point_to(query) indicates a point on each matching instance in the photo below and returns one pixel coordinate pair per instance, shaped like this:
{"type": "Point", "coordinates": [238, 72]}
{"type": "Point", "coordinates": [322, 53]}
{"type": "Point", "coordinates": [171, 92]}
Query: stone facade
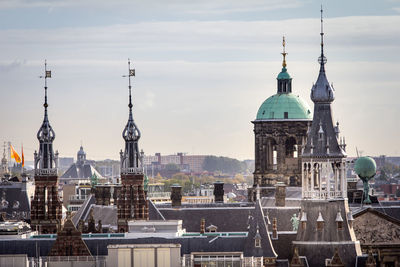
{"type": "Point", "coordinates": [132, 201]}
{"type": "Point", "coordinates": [69, 241]}
{"type": "Point", "coordinates": [46, 207]}
{"type": "Point", "coordinates": [378, 233]}
{"type": "Point", "coordinates": [276, 146]}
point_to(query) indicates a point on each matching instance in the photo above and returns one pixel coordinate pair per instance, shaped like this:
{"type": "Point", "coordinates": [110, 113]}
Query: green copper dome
{"type": "Point", "coordinates": [365, 167]}
{"type": "Point", "coordinates": [284, 106]}
{"type": "Point", "coordinates": [283, 75]}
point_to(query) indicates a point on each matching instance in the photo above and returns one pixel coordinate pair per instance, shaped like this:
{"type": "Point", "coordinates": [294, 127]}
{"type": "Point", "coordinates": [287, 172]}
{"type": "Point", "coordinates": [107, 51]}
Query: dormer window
{"type": "Point", "coordinates": [257, 243]}
{"type": "Point", "coordinates": [285, 115]}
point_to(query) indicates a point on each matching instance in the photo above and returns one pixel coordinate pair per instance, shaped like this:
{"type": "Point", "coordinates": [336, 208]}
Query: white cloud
{"type": "Point", "coordinates": [194, 6]}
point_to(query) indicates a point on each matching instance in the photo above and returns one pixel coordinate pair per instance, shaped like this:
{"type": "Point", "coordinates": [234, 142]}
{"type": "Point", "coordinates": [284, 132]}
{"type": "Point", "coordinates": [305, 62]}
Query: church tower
{"type": "Point", "coordinates": [280, 130]}
{"type": "Point", "coordinates": [132, 200]}
{"type": "Point", "coordinates": [4, 162]}
{"type": "Point", "coordinates": [46, 209]}
{"type": "Point", "coordinates": [324, 209]}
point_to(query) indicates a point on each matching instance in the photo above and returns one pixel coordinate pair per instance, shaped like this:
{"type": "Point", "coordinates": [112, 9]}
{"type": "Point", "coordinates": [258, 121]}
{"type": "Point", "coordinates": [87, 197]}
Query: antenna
{"type": "Point", "coordinates": [358, 155]}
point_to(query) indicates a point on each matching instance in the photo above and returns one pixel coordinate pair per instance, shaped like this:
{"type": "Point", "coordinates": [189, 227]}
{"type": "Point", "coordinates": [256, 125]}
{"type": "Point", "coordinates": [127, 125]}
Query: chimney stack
{"type": "Point", "coordinates": [274, 228]}
{"type": "Point", "coordinates": [218, 192]}
{"type": "Point", "coordinates": [176, 195]}
{"type": "Point", "coordinates": [280, 194]}
{"type": "Point", "coordinates": [202, 226]}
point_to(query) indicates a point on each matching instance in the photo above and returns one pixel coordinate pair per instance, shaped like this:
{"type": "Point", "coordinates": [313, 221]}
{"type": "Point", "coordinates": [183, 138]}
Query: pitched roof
{"type": "Point", "coordinates": [81, 171]}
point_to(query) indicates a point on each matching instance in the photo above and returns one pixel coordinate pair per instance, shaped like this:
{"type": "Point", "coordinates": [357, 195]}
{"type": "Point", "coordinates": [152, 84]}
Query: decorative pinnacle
{"type": "Point", "coordinates": [322, 58]}
{"type": "Point", "coordinates": [284, 52]}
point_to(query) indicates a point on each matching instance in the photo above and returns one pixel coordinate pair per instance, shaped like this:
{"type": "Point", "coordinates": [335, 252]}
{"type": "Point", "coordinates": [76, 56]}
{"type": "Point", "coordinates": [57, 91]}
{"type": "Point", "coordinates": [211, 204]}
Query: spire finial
{"type": "Point", "coordinates": [47, 74]}
{"type": "Point", "coordinates": [322, 58]}
{"type": "Point", "coordinates": [284, 52]}
{"type": "Point", "coordinates": [131, 72]}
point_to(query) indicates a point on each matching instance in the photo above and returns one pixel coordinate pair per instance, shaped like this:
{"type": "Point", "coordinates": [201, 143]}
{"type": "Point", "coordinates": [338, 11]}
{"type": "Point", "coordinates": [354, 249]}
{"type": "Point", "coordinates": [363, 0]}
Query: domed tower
{"type": "Point", "coordinates": [325, 212]}
{"type": "Point", "coordinates": [81, 156]}
{"type": "Point", "coordinates": [280, 130]}
{"type": "Point", "coordinates": [132, 199]}
{"type": "Point", "coordinates": [46, 209]}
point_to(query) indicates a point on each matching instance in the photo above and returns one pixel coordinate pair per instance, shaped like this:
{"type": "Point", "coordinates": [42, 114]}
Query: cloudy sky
{"type": "Point", "coordinates": [202, 70]}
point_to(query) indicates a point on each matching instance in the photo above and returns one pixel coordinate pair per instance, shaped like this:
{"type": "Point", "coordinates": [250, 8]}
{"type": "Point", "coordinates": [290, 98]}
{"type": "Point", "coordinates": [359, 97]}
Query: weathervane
{"type": "Point", "coordinates": [284, 52]}
{"type": "Point", "coordinates": [47, 74]}
{"type": "Point", "coordinates": [131, 72]}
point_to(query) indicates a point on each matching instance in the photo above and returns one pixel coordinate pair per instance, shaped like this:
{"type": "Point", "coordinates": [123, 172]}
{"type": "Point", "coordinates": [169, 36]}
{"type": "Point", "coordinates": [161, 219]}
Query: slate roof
{"type": "Point", "coordinates": [14, 200]}
{"type": "Point", "coordinates": [391, 211]}
{"type": "Point", "coordinates": [80, 171]}
{"type": "Point", "coordinates": [83, 210]}
{"type": "Point", "coordinates": [258, 227]}
{"type": "Point", "coordinates": [227, 219]}
{"type": "Point", "coordinates": [283, 216]}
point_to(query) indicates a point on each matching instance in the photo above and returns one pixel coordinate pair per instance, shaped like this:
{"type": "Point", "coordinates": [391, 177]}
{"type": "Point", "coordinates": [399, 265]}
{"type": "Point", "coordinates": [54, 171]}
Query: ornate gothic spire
{"type": "Point", "coordinates": [130, 158]}
{"type": "Point", "coordinates": [46, 157]}
{"type": "Point", "coordinates": [322, 140]}
{"type": "Point", "coordinates": [321, 91]}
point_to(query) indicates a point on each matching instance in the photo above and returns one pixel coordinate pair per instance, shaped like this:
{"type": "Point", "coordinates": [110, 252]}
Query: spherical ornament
{"type": "Point", "coordinates": [365, 167]}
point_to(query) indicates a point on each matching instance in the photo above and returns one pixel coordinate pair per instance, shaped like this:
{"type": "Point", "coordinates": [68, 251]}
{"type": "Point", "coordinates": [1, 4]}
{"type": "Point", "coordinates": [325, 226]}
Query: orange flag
{"type": "Point", "coordinates": [14, 155]}
{"type": "Point", "coordinates": [22, 154]}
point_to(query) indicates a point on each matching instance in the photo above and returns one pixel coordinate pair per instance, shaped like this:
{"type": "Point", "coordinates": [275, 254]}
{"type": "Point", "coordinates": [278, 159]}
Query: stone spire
{"type": "Point", "coordinates": [46, 159]}
{"type": "Point", "coordinates": [46, 207]}
{"type": "Point", "coordinates": [323, 156]}
{"type": "Point", "coordinates": [130, 158]}
{"type": "Point", "coordinates": [321, 91]}
{"type": "Point", "coordinates": [323, 137]}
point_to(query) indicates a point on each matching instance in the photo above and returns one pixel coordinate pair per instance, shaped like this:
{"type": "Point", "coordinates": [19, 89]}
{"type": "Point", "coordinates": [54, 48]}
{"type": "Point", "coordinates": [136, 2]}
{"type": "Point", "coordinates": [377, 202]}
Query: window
{"type": "Point", "coordinates": [285, 115]}
{"type": "Point", "coordinates": [257, 243]}
{"type": "Point", "coordinates": [340, 225]}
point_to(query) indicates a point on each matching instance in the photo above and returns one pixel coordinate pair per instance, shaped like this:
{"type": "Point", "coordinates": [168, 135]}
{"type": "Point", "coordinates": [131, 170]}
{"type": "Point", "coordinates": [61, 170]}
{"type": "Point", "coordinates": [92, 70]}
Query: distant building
{"type": "Point", "coordinates": [80, 170]}
{"type": "Point", "coordinates": [185, 163]}
{"type": "Point", "coordinates": [65, 162]}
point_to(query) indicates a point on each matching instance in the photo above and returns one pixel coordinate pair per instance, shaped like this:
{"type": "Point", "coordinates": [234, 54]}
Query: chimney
{"type": "Point", "coordinates": [176, 195]}
{"type": "Point", "coordinates": [202, 226]}
{"type": "Point", "coordinates": [274, 229]}
{"type": "Point", "coordinates": [218, 192]}
{"type": "Point", "coordinates": [280, 194]}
